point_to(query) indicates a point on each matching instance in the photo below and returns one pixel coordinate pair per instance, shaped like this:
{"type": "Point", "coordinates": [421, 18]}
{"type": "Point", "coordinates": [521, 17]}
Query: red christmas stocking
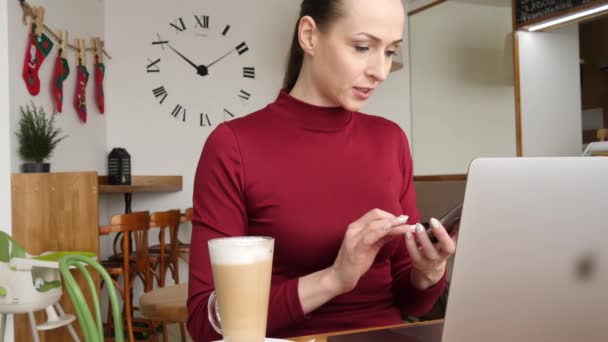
{"type": "Point", "coordinates": [80, 99]}
{"type": "Point", "coordinates": [62, 70]}
{"type": "Point", "coordinates": [100, 70]}
{"type": "Point", "coordinates": [37, 49]}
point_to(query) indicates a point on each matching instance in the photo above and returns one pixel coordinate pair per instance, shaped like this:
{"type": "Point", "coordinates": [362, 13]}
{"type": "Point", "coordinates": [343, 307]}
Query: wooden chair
{"type": "Point", "coordinates": [135, 227]}
{"type": "Point", "coordinates": [164, 255]}
{"type": "Point", "coordinates": [183, 249]}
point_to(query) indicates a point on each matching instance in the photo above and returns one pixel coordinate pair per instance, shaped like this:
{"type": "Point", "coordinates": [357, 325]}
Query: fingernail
{"type": "Point", "coordinates": [408, 235]}
{"type": "Point", "coordinates": [435, 223]}
{"type": "Point", "coordinates": [403, 218]}
{"type": "Point", "coordinates": [419, 228]}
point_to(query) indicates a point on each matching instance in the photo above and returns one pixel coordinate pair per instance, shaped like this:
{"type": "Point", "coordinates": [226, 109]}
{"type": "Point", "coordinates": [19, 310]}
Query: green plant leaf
{"type": "Point", "coordinates": [37, 135]}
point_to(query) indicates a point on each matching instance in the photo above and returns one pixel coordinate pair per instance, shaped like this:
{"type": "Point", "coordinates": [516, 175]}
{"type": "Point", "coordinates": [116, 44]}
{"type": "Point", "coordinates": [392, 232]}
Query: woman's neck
{"type": "Point", "coordinates": [305, 91]}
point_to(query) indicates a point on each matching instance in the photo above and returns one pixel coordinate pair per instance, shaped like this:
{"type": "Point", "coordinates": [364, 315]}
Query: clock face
{"type": "Point", "coordinates": [200, 71]}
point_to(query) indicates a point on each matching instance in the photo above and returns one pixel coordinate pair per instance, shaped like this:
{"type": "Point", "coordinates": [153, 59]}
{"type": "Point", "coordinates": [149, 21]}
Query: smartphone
{"type": "Point", "coordinates": [450, 222]}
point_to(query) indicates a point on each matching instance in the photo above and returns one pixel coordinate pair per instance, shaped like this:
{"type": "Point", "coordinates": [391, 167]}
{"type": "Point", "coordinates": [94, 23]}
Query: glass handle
{"type": "Point", "coordinates": [214, 313]}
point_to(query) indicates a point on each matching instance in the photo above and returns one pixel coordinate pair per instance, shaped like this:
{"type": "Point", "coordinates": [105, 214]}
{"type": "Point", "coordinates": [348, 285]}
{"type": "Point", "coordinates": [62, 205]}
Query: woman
{"type": "Point", "coordinates": [333, 186]}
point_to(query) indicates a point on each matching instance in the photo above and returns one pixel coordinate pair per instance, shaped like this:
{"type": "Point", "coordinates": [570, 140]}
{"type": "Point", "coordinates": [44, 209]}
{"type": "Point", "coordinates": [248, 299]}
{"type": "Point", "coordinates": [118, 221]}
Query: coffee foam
{"type": "Point", "coordinates": [240, 250]}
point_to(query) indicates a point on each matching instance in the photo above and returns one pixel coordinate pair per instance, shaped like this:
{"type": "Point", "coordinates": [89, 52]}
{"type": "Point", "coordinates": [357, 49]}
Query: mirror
{"type": "Point", "coordinates": [462, 84]}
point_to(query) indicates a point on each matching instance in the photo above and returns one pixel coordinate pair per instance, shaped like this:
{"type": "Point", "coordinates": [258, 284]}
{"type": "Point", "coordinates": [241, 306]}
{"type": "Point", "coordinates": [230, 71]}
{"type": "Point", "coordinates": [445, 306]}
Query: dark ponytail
{"type": "Point", "coordinates": [324, 13]}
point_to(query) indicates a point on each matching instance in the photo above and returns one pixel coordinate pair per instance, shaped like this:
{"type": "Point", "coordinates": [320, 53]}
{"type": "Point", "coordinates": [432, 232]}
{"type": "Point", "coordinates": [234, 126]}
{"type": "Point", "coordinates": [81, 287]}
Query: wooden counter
{"type": "Point", "coordinates": [54, 212]}
{"type": "Point", "coordinates": [143, 184]}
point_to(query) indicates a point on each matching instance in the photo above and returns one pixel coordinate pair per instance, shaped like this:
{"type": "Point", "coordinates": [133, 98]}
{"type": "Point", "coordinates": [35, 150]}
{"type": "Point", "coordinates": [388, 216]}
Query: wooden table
{"type": "Point", "coordinates": [429, 331]}
{"type": "Point", "coordinates": [165, 304]}
{"type": "Point", "coordinates": [169, 304]}
{"type": "Point", "coordinates": [141, 184]}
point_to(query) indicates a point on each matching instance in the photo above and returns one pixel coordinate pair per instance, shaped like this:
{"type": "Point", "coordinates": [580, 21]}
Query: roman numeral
{"type": "Point", "coordinates": [226, 111]}
{"type": "Point", "coordinates": [202, 20]}
{"type": "Point", "coordinates": [179, 25]}
{"type": "Point", "coordinates": [160, 92]}
{"type": "Point", "coordinates": [225, 30]}
{"type": "Point", "coordinates": [242, 48]}
{"type": "Point", "coordinates": [153, 66]}
{"type": "Point", "coordinates": [160, 42]}
{"type": "Point", "coordinates": [177, 110]}
{"type": "Point", "coordinates": [244, 95]}
{"type": "Point", "coordinates": [205, 121]}
{"type": "Point", "coordinates": [249, 72]}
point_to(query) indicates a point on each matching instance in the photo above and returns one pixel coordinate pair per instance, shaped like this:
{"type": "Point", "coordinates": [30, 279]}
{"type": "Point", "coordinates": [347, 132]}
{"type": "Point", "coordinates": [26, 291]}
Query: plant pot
{"type": "Point", "coordinates": [36, 167]}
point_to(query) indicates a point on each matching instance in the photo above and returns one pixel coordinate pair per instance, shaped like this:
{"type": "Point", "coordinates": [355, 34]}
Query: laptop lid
{"type": "Point", "coordinates": [532, 256]}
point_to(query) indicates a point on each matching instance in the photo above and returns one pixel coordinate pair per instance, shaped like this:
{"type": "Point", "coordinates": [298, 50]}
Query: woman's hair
{"type": "Point", "coordinates": [324, 13]}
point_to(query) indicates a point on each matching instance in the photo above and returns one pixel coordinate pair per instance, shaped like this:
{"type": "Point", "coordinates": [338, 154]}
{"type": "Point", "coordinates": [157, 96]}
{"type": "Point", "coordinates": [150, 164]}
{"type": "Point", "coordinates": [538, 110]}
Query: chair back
{"type": "Point", "coordinates": [166, 220]}
{"type": "Point", "coordinates": [92, 327]}
{"type": "Point", "coordinates": [135, 227]}
{"type": "Point", "coordinates": [187, 217]}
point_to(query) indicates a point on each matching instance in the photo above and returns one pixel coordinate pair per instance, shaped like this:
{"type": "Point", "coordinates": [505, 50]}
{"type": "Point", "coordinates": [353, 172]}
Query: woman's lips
{"type": "Point", "coordinates": [362, 93]}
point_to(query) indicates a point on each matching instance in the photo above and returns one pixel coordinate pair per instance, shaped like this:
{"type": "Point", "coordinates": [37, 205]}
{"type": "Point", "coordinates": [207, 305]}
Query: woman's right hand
{"type": "Point", "coordinates": [362, 242]}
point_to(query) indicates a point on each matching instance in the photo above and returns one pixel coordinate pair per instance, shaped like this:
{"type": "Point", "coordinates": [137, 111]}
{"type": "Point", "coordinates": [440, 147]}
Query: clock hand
{"type": "Point", "coordinates": [200, 69]}
{"type": "Point", "coordinates": [184, 57]}
{"type": "Point", "coordinates": [219, 59]}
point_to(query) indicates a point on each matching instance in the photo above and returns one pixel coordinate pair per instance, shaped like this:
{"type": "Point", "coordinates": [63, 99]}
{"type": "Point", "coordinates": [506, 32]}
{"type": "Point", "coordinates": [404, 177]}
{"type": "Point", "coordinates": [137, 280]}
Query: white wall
{"type": "Point", "coordinates": [160, 144]}
{"type": "Point", "coordinates": [550, 92]}
{"type": "Point", "coordinates": [5, 160]}
{"type": "Point", "coordinates": [463, 102]}
{"type": "Point", "coordinates": [85, 148]}
{"type": "Point", "coordinates": [5, 154]}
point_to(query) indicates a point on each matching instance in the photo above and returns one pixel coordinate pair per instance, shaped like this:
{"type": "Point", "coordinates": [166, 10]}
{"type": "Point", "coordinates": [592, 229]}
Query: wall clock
{"type": "Point", "coordinates": [200, 71]}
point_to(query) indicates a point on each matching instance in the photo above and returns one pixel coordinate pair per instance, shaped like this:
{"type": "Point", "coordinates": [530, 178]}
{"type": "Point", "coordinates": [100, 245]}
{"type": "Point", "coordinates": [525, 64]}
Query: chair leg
{"type": "Point", "coordinates": [2, 326]}
{"type": "Point", "coordinates": [33, 326]}
{"type": "Point", "coordinates": [165, 335]}
{"type": "Point", "coordinates": [182, 332]}
{"type": "Point", "coordinates": [73, 332]}
{"type": "Point", "coordinates": [69, 326]}
{"type": "Point", "coordinates": [107, 327]}
{"type": "Point", "coordinates": [127, 291]}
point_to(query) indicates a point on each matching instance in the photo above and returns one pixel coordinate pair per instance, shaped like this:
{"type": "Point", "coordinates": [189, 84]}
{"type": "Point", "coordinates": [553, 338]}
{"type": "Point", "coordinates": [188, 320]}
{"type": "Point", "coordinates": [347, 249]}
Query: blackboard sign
{"type": "Point", "coordinates": [528, 10]}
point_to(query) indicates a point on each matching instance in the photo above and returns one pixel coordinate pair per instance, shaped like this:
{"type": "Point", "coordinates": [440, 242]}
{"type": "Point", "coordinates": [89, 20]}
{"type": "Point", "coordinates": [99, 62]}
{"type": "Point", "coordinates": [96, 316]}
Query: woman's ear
{"type": "Point", "coordinates": [307, 34]}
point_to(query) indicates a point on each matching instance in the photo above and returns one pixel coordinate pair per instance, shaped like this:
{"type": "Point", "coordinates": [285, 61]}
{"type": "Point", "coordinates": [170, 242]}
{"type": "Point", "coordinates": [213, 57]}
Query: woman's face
{"type": "Point", "coordinates": [354, 55]}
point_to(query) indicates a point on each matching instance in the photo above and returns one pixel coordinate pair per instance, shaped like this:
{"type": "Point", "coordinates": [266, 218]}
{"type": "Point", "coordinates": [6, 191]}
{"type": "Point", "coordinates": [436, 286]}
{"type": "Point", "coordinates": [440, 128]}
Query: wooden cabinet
{"type": "Point", "coordinates": [54, 212]}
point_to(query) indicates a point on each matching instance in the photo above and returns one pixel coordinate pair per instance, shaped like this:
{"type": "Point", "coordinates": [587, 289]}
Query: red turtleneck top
{"type": "Point", "coordinates": [301, 174]}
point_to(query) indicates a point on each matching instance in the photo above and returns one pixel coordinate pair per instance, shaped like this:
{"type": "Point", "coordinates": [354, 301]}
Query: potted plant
{"type": "Point", "coordinates": [37, 137]}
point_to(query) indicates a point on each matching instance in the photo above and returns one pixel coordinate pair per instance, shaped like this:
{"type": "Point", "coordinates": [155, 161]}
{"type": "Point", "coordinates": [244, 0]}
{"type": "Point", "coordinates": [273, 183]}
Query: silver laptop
{"type": "Point", "coordinates": [532, 256]}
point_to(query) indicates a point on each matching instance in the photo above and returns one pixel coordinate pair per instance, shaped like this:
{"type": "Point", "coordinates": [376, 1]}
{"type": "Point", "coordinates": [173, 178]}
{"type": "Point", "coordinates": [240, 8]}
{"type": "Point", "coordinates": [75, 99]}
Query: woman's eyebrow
{"type": "Point", "coordinates": [374, 38]}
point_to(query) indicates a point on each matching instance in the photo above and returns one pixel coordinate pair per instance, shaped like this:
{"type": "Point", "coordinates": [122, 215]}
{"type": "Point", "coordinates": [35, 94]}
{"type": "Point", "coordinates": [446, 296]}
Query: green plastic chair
{"type": "Point", "coordinates": [92, 328]}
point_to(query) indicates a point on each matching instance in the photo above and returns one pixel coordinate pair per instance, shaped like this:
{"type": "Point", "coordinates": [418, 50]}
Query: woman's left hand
{"type": "Point", "coordinates": [428, 259]}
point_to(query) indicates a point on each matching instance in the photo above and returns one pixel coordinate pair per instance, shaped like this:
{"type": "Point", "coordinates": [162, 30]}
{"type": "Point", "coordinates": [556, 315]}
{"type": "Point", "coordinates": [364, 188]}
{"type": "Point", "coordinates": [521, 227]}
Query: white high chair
{"type": "Point", "coordinates": [28, 285]}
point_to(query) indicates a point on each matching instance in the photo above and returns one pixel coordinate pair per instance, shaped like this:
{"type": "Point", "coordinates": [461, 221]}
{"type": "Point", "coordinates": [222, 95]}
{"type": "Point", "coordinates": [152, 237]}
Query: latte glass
{"type": "Point", "coordinates": [242, 267]}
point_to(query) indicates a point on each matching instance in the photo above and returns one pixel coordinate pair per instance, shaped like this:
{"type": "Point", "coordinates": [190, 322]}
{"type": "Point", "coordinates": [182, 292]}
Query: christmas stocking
{"type": "Point", "coordinates": [81, 96]}
{"type": "Point", "coordinates": [37, 49]}
{"type": "Point", "coordinates": [100, 69]}
{"type": "Point", "coordinates": [62, 70]}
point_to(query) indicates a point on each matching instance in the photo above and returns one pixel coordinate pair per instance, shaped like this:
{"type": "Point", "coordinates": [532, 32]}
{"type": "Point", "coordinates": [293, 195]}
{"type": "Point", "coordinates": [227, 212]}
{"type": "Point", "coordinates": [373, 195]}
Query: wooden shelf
{"type": "Point", "coordinates": [142, 184]}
